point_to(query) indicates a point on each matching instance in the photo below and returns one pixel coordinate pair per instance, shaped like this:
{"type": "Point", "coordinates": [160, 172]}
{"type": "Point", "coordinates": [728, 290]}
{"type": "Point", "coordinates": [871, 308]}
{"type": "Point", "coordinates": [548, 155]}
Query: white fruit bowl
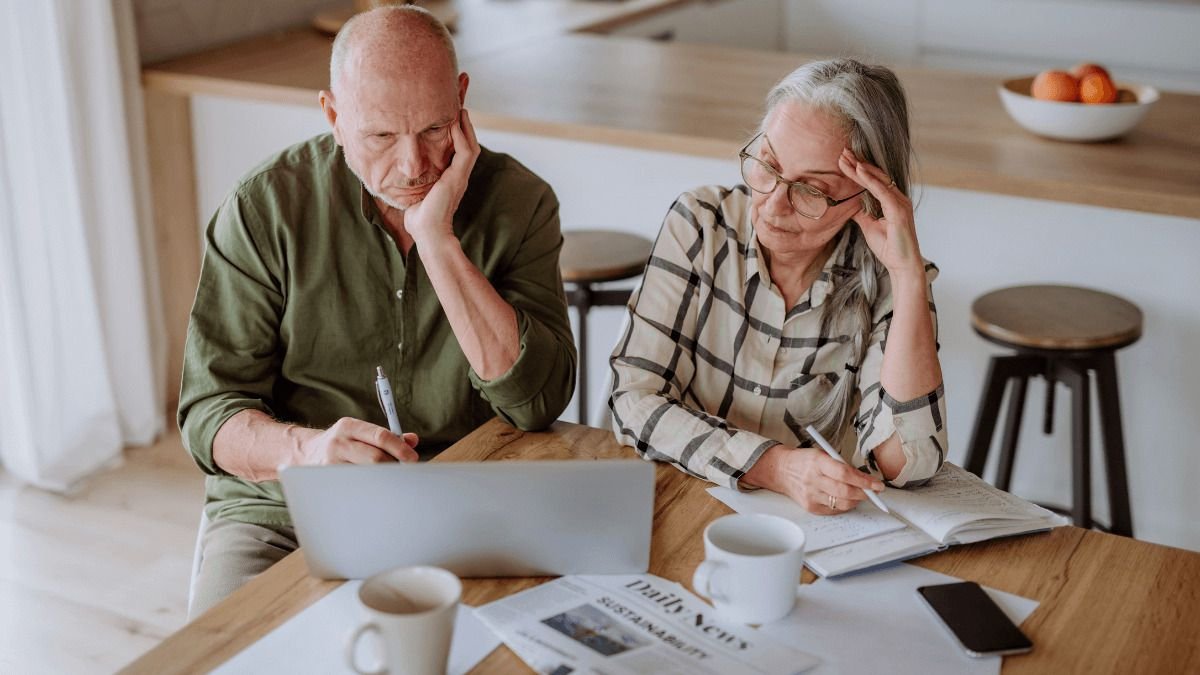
{"type": "Point", "coordinates": [1075, 121]}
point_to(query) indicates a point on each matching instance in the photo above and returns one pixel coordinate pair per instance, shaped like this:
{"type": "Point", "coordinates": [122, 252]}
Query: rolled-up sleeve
{"type": "Point", "coordinates": [654, 363]}
{"type": "Point", "coordinates": [231, 358]}
{"type": "Point", "coordinates": [538, 386]}
{"type": "Point", "coordinates": [920, 423]}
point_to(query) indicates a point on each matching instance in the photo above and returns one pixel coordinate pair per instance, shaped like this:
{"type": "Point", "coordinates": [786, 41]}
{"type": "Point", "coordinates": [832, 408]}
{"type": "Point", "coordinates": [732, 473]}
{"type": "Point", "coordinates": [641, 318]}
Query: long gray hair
{"type": "Point", "coordinates": [870, 104]}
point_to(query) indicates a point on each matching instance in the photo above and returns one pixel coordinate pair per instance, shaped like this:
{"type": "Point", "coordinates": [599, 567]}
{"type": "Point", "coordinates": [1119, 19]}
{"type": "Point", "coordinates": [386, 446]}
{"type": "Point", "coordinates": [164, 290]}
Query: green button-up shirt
{"type": "Point", "coordinates": [303, 293]}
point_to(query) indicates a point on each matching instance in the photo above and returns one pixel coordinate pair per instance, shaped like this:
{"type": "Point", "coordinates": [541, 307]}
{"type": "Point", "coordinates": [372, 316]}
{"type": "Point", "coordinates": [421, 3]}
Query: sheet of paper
{"type": "Point", "coordinates": [820, 532]}
{"type": "Point", "coordinates": [876, 623]}
{"type": "Point", "coordinates": [314, 641]}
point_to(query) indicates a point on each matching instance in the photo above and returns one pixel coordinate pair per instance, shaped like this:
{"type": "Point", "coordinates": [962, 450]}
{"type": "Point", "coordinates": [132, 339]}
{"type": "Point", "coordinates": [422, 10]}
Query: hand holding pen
{"type": "Point", "coordinates": [353, 441]}
{"type": "Point", "coordinates": [383, 392]}
{"type": "Point", "coordinates": [816, 436]}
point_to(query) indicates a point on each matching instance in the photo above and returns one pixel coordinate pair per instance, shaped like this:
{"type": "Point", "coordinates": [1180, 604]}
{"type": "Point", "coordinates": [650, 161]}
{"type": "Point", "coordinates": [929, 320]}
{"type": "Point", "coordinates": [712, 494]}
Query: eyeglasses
{"type": "Point", "coordinates": [805, 199]}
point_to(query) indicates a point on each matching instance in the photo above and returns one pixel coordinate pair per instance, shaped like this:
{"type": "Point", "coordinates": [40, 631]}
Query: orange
{"type": "Point", "coordinates": [1055, 85]}
{"type": "Point", "coordinates": [1083, 69]}
{"type": "Point", "coordinates": [1097, 88]}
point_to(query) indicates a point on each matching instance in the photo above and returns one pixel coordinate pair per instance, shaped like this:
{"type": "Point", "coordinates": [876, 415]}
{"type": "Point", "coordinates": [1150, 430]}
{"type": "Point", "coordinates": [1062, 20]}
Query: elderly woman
{"type": "Point", "coordinates": [798, 298]}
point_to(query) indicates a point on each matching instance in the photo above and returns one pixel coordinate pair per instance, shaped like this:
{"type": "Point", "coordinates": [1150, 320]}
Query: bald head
{"type": "Point", "coordinates": [391, 41]}
{"type": "Point", "coordinates": [395, 94]}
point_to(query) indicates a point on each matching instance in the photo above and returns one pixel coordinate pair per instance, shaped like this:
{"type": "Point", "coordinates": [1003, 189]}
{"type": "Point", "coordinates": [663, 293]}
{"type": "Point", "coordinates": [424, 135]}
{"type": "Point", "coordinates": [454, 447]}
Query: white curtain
{"type": "Point", "coordinates": [80, 333]}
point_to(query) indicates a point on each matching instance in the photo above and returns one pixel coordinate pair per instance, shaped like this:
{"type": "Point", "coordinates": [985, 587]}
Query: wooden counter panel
{"type": "Point", "coordinates": [705, 100]}
{"type": "Point", "coordinates": [577, 84]}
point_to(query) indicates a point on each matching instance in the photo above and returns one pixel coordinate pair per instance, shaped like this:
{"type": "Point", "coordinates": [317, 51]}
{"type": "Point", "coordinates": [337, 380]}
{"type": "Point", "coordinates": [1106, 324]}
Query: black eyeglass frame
{"type": "Point", "coordinates": [830, 202]}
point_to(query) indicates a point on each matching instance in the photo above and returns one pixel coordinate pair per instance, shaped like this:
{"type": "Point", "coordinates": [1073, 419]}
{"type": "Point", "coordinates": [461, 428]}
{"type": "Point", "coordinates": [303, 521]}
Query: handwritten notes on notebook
{"type": "Point", "coordinates": [821, 532]}
{"type": "Point", "coordinates": [954, 507]}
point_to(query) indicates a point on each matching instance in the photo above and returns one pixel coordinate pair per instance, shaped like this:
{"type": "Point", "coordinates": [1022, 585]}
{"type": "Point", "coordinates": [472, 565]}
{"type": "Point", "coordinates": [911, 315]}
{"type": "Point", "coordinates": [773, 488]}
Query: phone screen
{"type": "Point", "coordinates": [979, 624]}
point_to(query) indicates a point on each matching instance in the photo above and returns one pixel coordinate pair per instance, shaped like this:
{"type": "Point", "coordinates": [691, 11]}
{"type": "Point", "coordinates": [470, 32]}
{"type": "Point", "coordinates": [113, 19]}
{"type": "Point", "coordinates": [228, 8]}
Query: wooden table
{"type": "Point", "coordinates": [1108, 604]}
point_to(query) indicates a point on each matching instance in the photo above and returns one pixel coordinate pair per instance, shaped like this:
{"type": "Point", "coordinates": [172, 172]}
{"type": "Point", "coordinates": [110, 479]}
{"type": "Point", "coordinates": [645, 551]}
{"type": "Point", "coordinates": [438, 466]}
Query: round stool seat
{"type": "Point", "coordinates": [1065, 318]}
{"type": "Point", "coordinates": [595, 256]}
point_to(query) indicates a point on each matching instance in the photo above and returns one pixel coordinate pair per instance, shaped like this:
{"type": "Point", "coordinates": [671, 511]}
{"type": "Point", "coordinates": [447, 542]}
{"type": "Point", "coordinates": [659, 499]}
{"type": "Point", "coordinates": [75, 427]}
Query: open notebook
{"type": "Point", "coordinates": [955, 507]}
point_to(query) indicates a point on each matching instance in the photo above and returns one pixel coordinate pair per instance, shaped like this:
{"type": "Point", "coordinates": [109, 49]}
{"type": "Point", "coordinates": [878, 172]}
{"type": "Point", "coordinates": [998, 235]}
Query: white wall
{"type": "Point", "coordinates": [980, 241]}
{"type": "Point", "coordinates": [1147, 41]}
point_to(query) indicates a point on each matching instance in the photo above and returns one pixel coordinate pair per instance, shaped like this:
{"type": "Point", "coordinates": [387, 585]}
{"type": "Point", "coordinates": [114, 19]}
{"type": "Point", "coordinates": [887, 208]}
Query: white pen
{"type": "Point", "coordinates": [816, 436]}
{"type": "Point", "coordinates": [383, 390]}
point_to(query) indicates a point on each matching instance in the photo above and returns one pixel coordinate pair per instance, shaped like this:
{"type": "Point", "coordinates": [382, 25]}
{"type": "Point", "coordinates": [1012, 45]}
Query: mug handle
{"type": "Point", "coordinates": [702, 580]}
{"type": "Point", "coordinates": [352, 648]}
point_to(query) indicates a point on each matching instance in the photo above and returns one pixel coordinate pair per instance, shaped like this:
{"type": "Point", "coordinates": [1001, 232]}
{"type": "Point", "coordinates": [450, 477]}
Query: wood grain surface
{"type": "Point", "coordinates": [706, 100]}
{"type": "Point", "coordinates": [1108, 603]}
{"type": "Point", "coordinates": [1056, 317]}
{"type": "Point", "coordinates": [602, 255]}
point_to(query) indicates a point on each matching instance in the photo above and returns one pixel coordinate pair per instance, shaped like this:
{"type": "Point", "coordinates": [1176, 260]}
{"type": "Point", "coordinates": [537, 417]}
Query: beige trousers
{"type": "Point", "coordinates": [232, 553]}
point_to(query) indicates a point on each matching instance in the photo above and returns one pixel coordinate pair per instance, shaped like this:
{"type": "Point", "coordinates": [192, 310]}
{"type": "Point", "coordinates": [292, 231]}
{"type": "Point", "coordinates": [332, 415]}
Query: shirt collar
{"type": "Point", "coordinates": [839, 265]}
{"type": "Point", "coordinates": [367, 207]}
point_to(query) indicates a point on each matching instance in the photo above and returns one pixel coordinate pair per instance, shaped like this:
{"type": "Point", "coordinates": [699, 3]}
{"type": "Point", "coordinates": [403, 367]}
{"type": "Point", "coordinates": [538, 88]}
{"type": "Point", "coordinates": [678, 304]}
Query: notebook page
{"type": "Point", "coordinates": [899, 545]}
{"type": "Point", "coordinates": [955, 499]}
{"type": "Point", "coordinates": [820, 532]}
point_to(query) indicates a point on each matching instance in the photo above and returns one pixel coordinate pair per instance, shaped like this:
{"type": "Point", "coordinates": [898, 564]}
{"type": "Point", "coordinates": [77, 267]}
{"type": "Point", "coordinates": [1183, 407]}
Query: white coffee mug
{"type": "Point", "coordinates": [752, 566]}
{"type": "Point", "coordinates": [411, 611]}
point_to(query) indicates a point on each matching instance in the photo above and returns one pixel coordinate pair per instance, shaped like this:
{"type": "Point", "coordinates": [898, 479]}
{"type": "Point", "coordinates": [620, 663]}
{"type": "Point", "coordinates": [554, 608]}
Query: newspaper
{"type": "Point", "coordinates": [637, 623]}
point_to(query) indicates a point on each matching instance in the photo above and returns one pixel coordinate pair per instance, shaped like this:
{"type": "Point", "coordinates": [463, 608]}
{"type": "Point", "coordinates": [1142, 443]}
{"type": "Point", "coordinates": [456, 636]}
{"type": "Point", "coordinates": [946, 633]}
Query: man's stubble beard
{"type": "Point", "coordinates": [388, 201]}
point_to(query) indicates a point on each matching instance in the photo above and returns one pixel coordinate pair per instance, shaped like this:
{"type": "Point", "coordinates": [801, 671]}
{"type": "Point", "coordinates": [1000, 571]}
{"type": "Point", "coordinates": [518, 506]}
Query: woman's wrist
{"type": "Point", "coordinates": [762, 473]}
{"type": "Point", "coordinates": [912, 274]}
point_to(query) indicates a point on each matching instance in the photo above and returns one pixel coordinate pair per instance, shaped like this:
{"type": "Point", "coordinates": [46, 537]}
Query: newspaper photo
{"type": "Point", "coordinates": [636, 623]}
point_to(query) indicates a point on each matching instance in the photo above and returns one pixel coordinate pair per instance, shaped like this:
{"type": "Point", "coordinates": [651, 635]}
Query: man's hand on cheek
{"type": "Point", "coordinates": [432, 218]}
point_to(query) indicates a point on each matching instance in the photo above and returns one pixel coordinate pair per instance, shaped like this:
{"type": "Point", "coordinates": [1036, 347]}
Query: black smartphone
{"type": "Point", "coordinates": [978, 623]}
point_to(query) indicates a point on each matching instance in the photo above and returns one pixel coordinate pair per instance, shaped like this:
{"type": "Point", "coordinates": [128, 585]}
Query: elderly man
{"type": "Point", "coordinates": [395, 241]}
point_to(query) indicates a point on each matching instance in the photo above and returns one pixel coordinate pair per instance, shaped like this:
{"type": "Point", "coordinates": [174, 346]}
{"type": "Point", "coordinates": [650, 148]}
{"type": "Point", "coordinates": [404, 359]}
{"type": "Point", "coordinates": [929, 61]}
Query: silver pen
{"type": "Point", "coordinates": [816, 436]}
{"type": "Point", "coordinates": [383, 391]}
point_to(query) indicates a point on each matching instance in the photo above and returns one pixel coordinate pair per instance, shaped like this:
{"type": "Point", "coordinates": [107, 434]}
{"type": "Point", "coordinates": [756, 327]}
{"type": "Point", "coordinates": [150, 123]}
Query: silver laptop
{"type": "Point", "coordinates": [476, 519]}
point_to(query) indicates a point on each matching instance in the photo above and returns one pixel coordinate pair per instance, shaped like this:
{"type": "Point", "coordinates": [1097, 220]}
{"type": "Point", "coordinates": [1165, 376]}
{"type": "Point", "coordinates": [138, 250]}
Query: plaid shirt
{"type": "Point", "coordinates": [713, 368]}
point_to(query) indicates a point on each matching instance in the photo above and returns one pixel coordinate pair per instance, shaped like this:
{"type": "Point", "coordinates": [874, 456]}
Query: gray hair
{"type": "Point", "coordinates": [870, 104]}
{"type": "Point", "coordinates": [346, 37]}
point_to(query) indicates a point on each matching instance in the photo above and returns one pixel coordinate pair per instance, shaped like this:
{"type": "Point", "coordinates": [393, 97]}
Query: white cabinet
{"type": "Point", "coordinates": [752, 24]}
{"type": "Point", "coordinates": [1140, 40]}
{"type": "Point", "coordinates": [878, 31]}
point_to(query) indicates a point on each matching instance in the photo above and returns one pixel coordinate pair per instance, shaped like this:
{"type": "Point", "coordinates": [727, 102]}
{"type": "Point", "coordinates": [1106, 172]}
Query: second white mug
{"type": "Point", "coordinates": [752, 566]}
{"type": "Point", "coordinates": [411, 610]}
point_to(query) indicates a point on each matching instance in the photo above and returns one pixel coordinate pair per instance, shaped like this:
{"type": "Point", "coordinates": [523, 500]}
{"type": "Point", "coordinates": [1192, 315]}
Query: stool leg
{"type": "Point", "coordinates": [985, 416]}
{"type": "Point", "coordinates": [1081, 441]}
{"type": "Point", "coordinates": [1114, 444]}
{"type": "Point", "coordinates": [1048, 419]}
{"type": "Point", "coordinates": [1012, 429]}
{"type": "Point", "coordinates": [583, 305]}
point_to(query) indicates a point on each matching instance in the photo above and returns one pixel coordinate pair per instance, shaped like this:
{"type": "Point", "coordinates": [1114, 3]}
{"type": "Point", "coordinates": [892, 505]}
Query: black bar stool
{"type": "Point", "coordinates": [593, 257]}
{"type": "Point", "coordinates": [1061, 333]}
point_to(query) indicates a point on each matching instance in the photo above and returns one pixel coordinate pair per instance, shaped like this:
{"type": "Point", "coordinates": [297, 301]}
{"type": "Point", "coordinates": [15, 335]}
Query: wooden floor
{"type": "Point", "coordinates": [91, 581]}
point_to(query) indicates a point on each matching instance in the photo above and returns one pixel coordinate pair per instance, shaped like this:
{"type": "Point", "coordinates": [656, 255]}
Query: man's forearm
{"type": "Point", "coordinates": [484, 324]}
{"type": "Point", "coordinates": [252, 445]}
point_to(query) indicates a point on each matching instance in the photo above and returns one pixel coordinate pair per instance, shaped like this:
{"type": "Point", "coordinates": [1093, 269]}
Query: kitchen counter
{"type": "Point", "coordinates": [705, 100]}
{"type": "Point", "coordinates": [533, 72]}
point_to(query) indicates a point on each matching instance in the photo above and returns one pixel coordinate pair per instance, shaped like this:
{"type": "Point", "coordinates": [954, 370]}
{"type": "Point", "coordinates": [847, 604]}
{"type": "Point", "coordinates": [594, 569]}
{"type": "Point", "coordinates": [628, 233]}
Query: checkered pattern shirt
{"type": "Point", "coordinates": [712, 368]}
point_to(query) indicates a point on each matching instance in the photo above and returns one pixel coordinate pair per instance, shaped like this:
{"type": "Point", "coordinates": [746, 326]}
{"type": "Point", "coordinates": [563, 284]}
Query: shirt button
{"type": "Point", "coordinates": [400, 293]}
{"type": "Point", "coordinates": [758, 391]}
{"type": "Point", "coordinates": [400, 346]}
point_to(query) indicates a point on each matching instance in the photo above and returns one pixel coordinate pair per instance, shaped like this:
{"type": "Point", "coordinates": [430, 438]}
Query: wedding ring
{"type": "Point", "coordinates": [833, 502]}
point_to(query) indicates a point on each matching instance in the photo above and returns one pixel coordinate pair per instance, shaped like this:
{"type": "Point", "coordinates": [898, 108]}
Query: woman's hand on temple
{"type": "Point", "coordinates": [892, 237]}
